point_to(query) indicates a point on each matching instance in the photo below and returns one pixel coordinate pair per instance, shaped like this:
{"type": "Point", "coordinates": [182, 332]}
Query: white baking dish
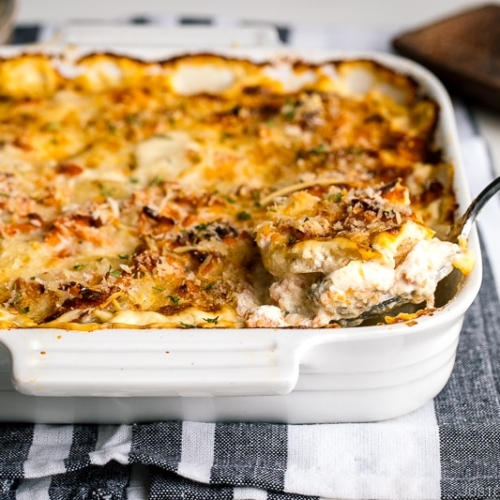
{"type": "Point", "coordinates": [332, 375]}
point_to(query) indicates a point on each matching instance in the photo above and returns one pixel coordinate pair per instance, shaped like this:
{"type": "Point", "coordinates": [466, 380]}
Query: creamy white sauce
{"type": "Point", "coordinates": [266, 316]}
{"type": "Point", "coordinates": [427, 263]}
{"type": "Point", "coordinates": [164, 156]}
{"type": "Point", "coordinates": [353, 289]}
{"type": "Point", "coordinates": [195, 79]}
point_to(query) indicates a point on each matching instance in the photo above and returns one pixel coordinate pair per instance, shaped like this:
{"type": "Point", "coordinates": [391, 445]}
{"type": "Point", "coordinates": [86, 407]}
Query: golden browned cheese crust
{"type": "Point", "coordinates": [130, 190]}
{"type": "Point", "coordinates": [345, 223]}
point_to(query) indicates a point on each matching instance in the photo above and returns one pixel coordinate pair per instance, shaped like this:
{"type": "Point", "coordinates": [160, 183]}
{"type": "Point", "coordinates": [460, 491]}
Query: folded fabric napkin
{"type": "Point", "coordinates": [447, 449]}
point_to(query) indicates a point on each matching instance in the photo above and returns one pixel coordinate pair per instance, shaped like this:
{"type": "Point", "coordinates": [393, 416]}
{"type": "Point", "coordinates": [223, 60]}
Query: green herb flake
{"type": "Point", "coordinates": [243, 216]}
{"type": "Point", "coordinates": [174, 299]}
{"type": "Point", "coordinates": [111, 127]}
{"type": "Point", "coordinates": [132, 164]}
{"type": "Point", "coordinates": [292, 240]}
{"type": "Point", "coordinates": [104, 190]}
{"type": "Point", "coordinates": [5, 195]}
{"type": "Point", "coordinates": [212, 320]}
{"type": "Point", "coordinates": [336, 197]}
{"type": "Point", "coordinates": [318, 149]}
{"type": "Point", "coordinates": [158, 288]}
{"type": "Point", "coordinates": [25, 310]}
{"type": "Point", "coordinates": [116, 273]}
{"type": "Point", "coordinates": [201, 227]}
{"type": "Point", "coordinates": [123, 257]}
{"type": "Point", "coordinates": [134, 180]}
{"type": "Point", "coordinates": [51, 126]}
{"type": "Point", "coordinates": [155, 181]}
{"type": "Point", "coordinates": [186, 325]}
{"type": "Point", "coordinates": [132, 120]}
{"type": "Point", "coordinates": [79, 267]}
{"type": "Point", "coordinates": [209, 286]}
{"type": "Point", "coordinates": [355, 150]}
{"type": "Point", "coordinates": [256, 197]}
{"type": "Point", "coordinates": [289, 114]}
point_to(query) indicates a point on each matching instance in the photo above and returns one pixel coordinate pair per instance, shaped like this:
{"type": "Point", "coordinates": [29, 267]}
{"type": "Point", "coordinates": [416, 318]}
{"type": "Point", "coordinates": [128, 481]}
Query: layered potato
{"type": "Point", "coordinates": [207, 191]}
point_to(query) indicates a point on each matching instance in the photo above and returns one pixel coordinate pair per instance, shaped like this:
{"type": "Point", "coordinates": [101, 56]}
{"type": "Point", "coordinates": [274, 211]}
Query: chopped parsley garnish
{"type": "Point", "coordinates": [155, 181]}
{"type": "Point", "coordinates": [123, 257]}
{"type": "Point", "coordinates": [209, 286]}
{"type": "Point", "coordinates": [79, 267]}
{"type": "Point", "coordinates": [132, 164]}
{"type": "Point", "coordinates": [256, 197]}
{"type": "Point", "coordinates": [25, 310]}
{"type": "Point", "coordinates": [212, 320]}
{"type": "Point", "coordinates": [111, 127]}
{"type": "Point", "coordinates": [355, 150]}
{"type": "Point", "coordinates": [186, 325]}
{"type": "Point", "coordinates": [158, 288]}
{"type": "Point", "coordinates": [335, 197]}
{"type": "Point", "coordinates": [104, 190]}
{"type": "Point", "coordinates": [174, 299]}
{"type": "Point", "coordinates": [243, 215]}
{"type": "Point", "coordinates": [116, 273]}
{"type": "Point", "coordinates": [52, 126]}
{"type": "Point", "coordinates": [289, 110]}
{"type": "Point", "coordinates": [318, 149]}
{"type": "Point", "coordinates": [132, 120]}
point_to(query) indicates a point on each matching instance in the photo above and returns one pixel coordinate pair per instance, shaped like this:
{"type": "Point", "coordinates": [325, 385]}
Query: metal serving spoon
{"type": "Point", "coordinates": [460, 229]}
{"type": "Point", "coordinates": [463, 226]}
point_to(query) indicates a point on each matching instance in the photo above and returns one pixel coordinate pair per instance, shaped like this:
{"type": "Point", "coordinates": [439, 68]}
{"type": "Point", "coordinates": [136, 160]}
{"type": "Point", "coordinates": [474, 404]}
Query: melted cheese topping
{"type": "Point", "coordinates": [130, 191]}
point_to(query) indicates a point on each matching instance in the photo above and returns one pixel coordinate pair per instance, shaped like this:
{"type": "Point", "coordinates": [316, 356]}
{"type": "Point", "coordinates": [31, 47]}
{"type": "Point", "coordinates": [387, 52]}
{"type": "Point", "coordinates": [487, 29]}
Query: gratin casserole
{"type": "Point", "coordinates": [204, 191]}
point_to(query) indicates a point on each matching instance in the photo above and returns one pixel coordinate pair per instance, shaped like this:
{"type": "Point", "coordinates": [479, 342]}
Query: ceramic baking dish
{"type": "Point", "coordinates": [300, 376]}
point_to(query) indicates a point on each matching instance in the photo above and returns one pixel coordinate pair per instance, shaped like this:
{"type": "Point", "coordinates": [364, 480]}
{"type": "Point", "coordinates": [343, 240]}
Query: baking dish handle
{"type": "Point", "coordinates": [115, 363]}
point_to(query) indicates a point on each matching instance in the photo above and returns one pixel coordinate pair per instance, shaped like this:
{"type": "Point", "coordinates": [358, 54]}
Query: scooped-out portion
{"type": "Point", "coordinates": [339, 255]}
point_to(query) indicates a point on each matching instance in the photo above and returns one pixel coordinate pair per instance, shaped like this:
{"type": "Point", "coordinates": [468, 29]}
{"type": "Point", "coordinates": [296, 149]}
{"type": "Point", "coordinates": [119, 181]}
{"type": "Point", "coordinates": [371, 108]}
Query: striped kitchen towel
{"type": "Point", "coordinates": [447, 449]}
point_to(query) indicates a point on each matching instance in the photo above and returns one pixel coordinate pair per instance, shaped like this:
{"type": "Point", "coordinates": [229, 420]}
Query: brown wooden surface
{"type": "Point", "coordinates": [462, 50]}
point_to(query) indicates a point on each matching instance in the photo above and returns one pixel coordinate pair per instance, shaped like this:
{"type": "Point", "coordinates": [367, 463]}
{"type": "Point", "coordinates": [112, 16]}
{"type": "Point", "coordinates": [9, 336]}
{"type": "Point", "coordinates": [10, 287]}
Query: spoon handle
{"type": "Point", "coordinates": [465, 223]}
